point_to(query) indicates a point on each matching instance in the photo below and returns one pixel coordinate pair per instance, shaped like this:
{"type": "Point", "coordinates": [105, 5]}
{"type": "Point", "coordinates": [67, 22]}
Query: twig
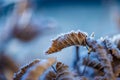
{"type": "Point", "coordinates": [54, 69]}
{"type": "Point", "coordinates": [77, 59]}
{"type": "Point", "coordinates": [86, 64]}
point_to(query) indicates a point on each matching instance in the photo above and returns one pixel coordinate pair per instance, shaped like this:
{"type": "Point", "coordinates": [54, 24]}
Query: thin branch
{"type": "Point", "coordinates": [54, 69]}
{"type": "Point", "coordinates": [86, 64]}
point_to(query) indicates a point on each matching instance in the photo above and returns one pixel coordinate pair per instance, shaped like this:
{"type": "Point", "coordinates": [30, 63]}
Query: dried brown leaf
{"type": "Point", "coordinates": [93, 64]}
{"type": "Point", "coordinates": [63, 72]}
{"type": "Point", "coordinates": [101, 52]}
{"type": "Point", "coordinates": [38, 69]}
{"type": "Point", "coordinates": [66, 40]}
{"type": "Point", "coordinates": [50, 75]}
{"type": "Point", "coordinates": [22, 71]}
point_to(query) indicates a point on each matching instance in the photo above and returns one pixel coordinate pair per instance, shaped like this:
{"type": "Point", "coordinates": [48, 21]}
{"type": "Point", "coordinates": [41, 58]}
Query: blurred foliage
{"type": "Point", "coordinates": [7, 9]}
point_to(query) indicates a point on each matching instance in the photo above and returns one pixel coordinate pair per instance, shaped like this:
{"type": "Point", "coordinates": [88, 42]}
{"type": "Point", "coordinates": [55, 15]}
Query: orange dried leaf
{"type": "Point", "coordinates": [66, 40]}
{"type": "Point", "coordinates": [22, 71]}
{"type": "Point", "coordinates": [37, 70]}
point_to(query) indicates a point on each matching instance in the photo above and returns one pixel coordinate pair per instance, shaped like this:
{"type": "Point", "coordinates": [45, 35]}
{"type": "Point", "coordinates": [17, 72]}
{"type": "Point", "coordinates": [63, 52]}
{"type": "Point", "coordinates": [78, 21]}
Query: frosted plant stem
{"type": "Point", "coordinates": [54, 69]}
{"type": "Point", "coordinates": [77, 59]}
{"type": "Point", "coordinates": [86, 64]}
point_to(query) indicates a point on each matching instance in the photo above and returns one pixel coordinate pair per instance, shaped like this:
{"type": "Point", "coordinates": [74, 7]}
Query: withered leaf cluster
{"type": "Point", "coordinates": [107, 52]}
{"type": "Point", "coordinates": [107, 65]}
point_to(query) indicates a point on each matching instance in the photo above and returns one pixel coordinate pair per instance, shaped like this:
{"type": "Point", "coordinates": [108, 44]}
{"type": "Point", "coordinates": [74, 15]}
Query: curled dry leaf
{"type": "Point", "coordinates": [50, 75]}
{"type": "Point", "coordinates": [112, 48]}
{"type": "Point", "coordinates": [63, 72]}
{"type": "Point", "coordinates": [98, 47]}
{"type": "Point", "coordinates": [38, 69]}
{"type": "Point", "coordinates": [93, 64]}
{"type": "Point", "coordinates": [115, 52]}
{"type": "Point", "coordinates": [23, 70]}
{"type": "Point", "coordinates": [66, 40]}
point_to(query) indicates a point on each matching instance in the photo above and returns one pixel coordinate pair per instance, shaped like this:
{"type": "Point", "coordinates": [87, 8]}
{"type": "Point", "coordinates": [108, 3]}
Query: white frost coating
{"type": "Point", "coordinates": [110, 44]}
{"type": "Point", "coordinates": [82, 32]}
{"type": "Point", "coordinates": [29, 63]}
{"type": "Point", "coordinates": [116, 40]}
{"type": "Point", "coordinates": [62, 34]}
{"type": "Point", "coordinates": [116, 37]}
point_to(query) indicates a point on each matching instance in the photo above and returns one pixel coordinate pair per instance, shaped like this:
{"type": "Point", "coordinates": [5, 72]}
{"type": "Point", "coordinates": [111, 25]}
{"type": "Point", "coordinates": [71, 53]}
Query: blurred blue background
{"type": "Point", "coordinates": [47, 19]}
